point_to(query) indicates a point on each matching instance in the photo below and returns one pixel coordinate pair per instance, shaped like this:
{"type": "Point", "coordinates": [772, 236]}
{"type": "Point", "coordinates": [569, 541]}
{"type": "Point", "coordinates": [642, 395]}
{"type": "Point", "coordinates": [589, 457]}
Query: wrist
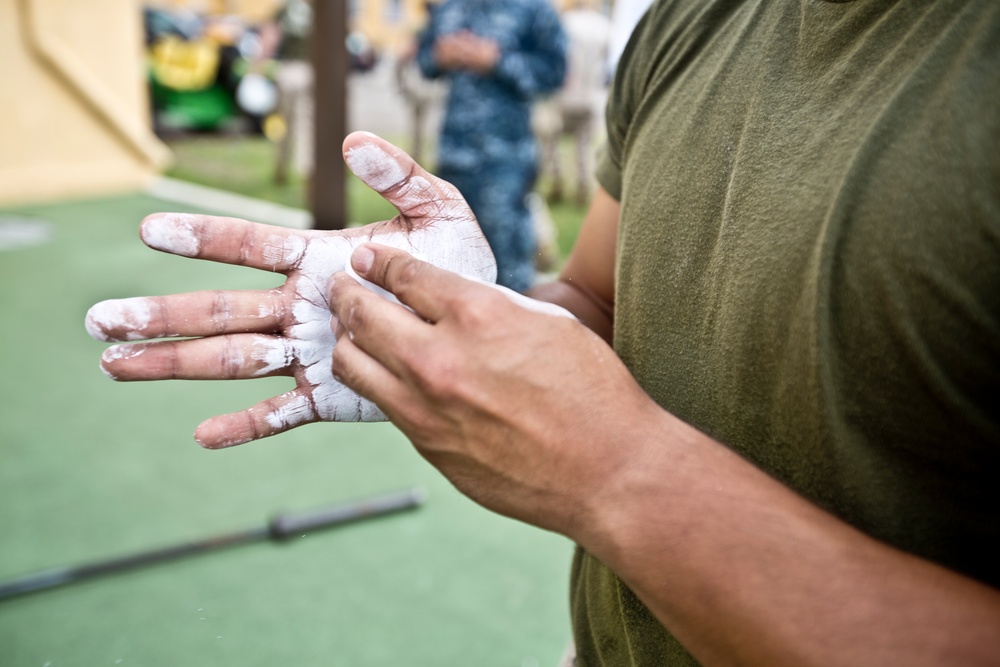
{"type": "Point", "coordinates": [631, 486]}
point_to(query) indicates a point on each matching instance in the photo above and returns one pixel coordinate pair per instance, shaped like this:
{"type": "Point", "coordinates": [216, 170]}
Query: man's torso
{"type": "Point", "coordinates": [808, 264]}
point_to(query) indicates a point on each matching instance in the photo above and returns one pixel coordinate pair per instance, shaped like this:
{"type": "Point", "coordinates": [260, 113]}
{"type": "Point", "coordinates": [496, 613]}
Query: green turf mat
{"type": "Point", "coordinates": [91, 469]}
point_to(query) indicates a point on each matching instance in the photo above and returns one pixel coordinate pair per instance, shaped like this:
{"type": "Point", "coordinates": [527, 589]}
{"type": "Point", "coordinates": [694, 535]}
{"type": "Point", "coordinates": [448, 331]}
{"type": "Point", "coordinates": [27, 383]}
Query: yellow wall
{"type": "Point", "coordinates": [74, 117]}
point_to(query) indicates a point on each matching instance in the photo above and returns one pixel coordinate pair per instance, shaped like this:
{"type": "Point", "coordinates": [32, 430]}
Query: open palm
{"type": "Point", "coordinates": [287, 330]}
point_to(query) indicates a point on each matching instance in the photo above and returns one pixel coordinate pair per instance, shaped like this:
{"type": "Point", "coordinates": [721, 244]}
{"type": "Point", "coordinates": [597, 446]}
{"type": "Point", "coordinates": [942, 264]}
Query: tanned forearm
{"type": "Point", "coordinates": [586, 284]}
{"type": "Point", "coordinates": [588, 308]}
{"type": "Point", "coordinates": [737, 566]}
{"type": "Point", "coordinates": [744, 571]}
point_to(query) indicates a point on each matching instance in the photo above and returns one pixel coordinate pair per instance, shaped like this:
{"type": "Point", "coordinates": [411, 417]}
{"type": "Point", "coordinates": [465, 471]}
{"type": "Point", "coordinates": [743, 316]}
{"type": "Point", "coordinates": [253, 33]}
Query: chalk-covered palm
{"type": "Point", "coordinates": [287, 330]}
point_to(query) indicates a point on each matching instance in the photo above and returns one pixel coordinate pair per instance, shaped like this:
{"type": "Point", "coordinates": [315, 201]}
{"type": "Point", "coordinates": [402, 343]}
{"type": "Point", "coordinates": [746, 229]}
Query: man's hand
{"type": "Point", "coordinates": [526, 413]}
{"type": "Point", "coordinates": [535, 417]}
{"type": "Point", "coordinates": [468, 51]}
{"type": "Point", "coordinates": [284, 331]}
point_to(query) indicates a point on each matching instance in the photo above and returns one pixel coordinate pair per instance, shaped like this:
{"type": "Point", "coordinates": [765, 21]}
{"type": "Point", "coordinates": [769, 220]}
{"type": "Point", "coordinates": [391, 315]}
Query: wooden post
{"type": "Point", "coordinates": [327, 189]}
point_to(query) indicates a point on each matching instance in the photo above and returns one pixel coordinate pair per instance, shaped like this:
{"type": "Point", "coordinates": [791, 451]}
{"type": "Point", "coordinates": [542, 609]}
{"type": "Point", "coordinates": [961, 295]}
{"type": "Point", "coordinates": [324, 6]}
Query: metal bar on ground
{"type": "Point", "coordinates": [280, 528]}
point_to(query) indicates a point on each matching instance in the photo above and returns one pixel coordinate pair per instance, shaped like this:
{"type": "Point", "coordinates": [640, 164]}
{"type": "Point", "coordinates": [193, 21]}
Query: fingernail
{"type": "Point", "coordinates": [362, 259]}
{"type": "Point", "coordinates": [372, 164]}
{"type": "Point", "coordinates": [173, 233]}
{"type": "Point", "coordinates": [118, 319]}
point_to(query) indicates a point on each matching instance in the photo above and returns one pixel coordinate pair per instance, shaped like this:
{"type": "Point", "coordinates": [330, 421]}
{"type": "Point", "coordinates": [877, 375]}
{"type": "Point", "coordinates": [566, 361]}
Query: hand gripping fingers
{"type": "Point", "coordinates": [383, 330]}
{"type": "Point", "coordinates": [430, 291]}
{"type": "Point", "coordinates": [360, 372]}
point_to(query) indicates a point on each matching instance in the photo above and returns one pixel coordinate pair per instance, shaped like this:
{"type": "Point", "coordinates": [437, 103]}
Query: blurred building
{"type": "Point", "coordinates": [74, 117]}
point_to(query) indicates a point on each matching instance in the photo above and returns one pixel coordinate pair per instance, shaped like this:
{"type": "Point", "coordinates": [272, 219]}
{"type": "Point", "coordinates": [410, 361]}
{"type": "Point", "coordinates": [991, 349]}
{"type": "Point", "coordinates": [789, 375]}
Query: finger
{"type": "Point", "coordinates": [267, 418]}
{"type": "Point", "coordinates": [303, 405]}
{"type": "Point", "coordinates": [435, 221]}
{"type": "Point", "coordinates": [192, 314]}
{"type": "Point", "coordinates": [233, 357]}
{"type": "Point", "coordinates": [430, 291]}
{"type": "Point", "coordinates": [385, 331]}
{"type": "Point", "coordinates": [366, 376]}
{"type": "Point", "coordinates": [227, 240]}
{"type": "Point", "coordinates": [415, 192]}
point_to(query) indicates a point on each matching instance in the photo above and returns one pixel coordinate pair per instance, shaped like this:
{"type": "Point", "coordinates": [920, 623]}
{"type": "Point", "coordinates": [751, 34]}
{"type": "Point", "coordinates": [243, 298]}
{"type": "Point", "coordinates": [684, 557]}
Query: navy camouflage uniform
{"type": "Point", "coordinates": [486, 147]}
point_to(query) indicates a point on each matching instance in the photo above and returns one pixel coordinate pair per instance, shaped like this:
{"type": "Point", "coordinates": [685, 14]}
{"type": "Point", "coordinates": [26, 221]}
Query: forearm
{"type": "Point", "coordinates": [744, 571]}
{"type": "Point", "coordinates": [585, 305]}
{"type": "Point", "coordinates": [586, 284]}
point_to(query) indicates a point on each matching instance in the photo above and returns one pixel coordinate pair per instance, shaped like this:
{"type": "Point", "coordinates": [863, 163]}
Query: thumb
{"type": "Point", "coordinates": [389, 171]}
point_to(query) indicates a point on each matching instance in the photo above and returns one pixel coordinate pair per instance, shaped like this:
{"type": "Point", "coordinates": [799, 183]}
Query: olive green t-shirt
{"type": "Point", "coordinates": [809, 266]}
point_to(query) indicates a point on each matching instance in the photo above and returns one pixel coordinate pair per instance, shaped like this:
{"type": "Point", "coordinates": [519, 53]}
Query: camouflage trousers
{"type": "Point", "coordinates": [498, 195]}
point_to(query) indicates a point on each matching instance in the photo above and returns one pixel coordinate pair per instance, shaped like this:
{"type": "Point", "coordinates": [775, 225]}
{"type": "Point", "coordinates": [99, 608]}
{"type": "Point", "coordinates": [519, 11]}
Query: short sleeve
{"type": "Point", "coordinates": [618, 113]}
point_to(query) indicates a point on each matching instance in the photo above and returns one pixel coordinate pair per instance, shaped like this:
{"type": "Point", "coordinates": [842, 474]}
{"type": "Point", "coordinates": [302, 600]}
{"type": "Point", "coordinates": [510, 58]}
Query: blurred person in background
{"type": "Point", "coordinates": [286, 38]}
{"type": "Point", "coordinates": [576, 109]}
{"type": "Point", "coordinates": [498, 57]}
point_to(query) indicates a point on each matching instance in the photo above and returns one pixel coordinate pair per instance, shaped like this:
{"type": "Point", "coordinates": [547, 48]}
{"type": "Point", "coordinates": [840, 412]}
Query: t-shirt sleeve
{"type": "Point", "coordinates": [618, 113]}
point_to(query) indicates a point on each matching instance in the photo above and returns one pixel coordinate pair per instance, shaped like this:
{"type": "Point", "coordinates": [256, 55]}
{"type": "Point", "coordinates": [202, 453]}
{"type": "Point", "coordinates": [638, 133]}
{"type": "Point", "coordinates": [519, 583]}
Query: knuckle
{"type": "Point", "coordinates": [355, 317]}
{"type": "Point", "coordinates": [231, 359]}
{"type": "Point", "coordinates": [221, 311]}
{"type": "Point", "coordinates": [437, 376]}
{"type": "Point", "coordinates": [254, 426]}
{"type": "Point", "coordinates": [401, 273]}
{"type": "Point", "coordinates": [340, 363]}
{"type": "Point", "coordinates": [246, 244]}
{"type": "Point", "coordinates": [403, 270]}
{"type": "Point", "coordinates": [481, 308]}
{"type": "Point", "coordinates": [173, 362]}
{"type": "Point", "coordinates": [276, 306]}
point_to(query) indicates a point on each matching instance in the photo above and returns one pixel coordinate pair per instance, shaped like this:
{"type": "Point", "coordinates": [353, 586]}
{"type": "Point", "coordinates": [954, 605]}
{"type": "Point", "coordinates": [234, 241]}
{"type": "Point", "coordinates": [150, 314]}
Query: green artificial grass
{"type": "Point", "coordinates": [93, 469]}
